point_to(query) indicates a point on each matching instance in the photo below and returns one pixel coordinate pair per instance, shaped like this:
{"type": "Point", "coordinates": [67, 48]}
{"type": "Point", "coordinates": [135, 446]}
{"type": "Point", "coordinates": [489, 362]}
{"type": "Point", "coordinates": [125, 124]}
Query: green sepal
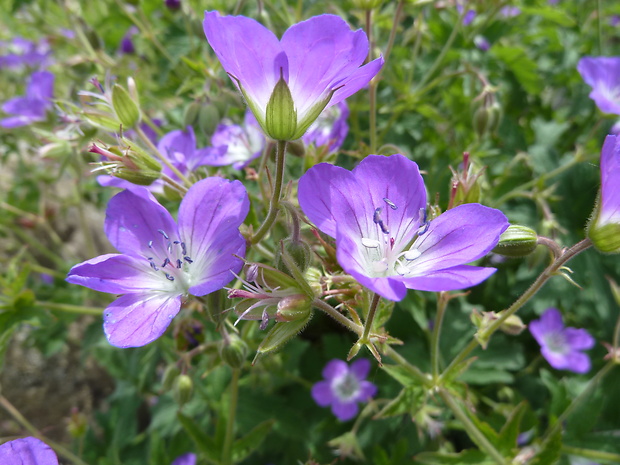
{"type": "Point", "coordinates": [279, 335]}
{"type": "Point", "coordinates": [125, 108]}
{"type": "Point", "coordinates": [281, 116]}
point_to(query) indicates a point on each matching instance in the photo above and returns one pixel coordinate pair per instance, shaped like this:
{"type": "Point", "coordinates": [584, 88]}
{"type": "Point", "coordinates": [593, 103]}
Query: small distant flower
{"type": "Point", "coordinates": [185, 459]}
{"type": "Point", "coordinates": [344, 387]}
{"type": "Point", "coordinates": [27, 451]}
{"type": "Point", "coordinates": [34, 105]}
{"type": "Point", "coordinates": [562, 347]}
{"type": "Point", "coordinates": [22, 52]}
{"type": "Point", "coordinates": [614, 20]}
{"type": "Point", "coordinates": [287, 83]}
{"type": "Point", "coordinates": [510, 11]}
{"type": "Point", "coordinates": [482, 43]}
{"type": "Point", "coordinates": [330, 128]}
{"type": "Point", "coordinates": [377, 214]}
{"type": "Point", "coordinates": [161, 262]}
{"type": "Point", "coordinates": [173, 5]}
{"type": "Point", "coordinates": [180, 148]}
{"type": "Point", "coordinates": [236, 145]}
{"type": "Point", "coordinates": [603, 75]}
{"type": "Point", "coordinates": [604, 229]}
{"type": "Point", "coordinates": [468, 17]}
{"type": "Point", "coordinates": [127, 47]}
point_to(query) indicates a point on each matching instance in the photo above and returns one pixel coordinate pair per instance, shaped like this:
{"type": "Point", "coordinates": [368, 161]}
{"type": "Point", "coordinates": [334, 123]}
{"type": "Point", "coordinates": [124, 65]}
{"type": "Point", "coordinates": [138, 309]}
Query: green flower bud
{"type": "Point", "coordinates": [78, 424]}
{"type": "Point", "coordinates": [191, 114]}
{"type": "Point", "coordinates": [233, 351]}
{"type": "Point", "coordinates": [183, 389]}
{"type": "Point", "coordinates": [279, 335]}
{"type": "Point", "coordinates": [125, 108]}
{"type": "Point", "coordinates": [517, 241]}
{"type": "Point", "coordinates": [293, 307]}
{"type": "Point", "coordinates": [606, 238]}
{"type": "Point", "coordinates": [281, 116]}
{"type": "Point", "coordinates": [313, 276]}
{"type": "Point", "coordinates": [297, 148]}
{"type": "Point", "coordinates": [513, 325]}
{"type": "Point", "coordinates": [208, 119]}
{"type": "Point", "coordinates": [300, 252]}
{"type": "Point", "coordinates": [170, 376]}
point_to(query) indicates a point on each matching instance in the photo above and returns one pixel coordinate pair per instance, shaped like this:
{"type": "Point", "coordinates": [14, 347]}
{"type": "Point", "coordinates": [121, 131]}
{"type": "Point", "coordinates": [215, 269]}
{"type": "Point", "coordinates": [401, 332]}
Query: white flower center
{"type": "Point", "coordinates": [169, 259]}
{"type": "Point", "coordinates": [346, 387]}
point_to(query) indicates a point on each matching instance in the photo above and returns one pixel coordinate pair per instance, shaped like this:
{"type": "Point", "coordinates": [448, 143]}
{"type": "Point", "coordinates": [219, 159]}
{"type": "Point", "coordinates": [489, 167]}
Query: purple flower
{"type": "Point", "coordinates": [287, 83]}
{"type": "Point", "coordinates": [615, 129]}
{"type": "Point", "coordinates": [173, 5]}
{"type": "Point", "coordinates": [468, 18]}
{"type": "Point", "coordinates": [22, 52]}
{"type": "Point", "coordinates": [185, 459]}
{"type": "Point", "coordinates": [126, 47]}
{"type": "Point", "coordinates": [603, 75]}
{"type": "Point", "coordinates": [614, 20]}
{"type": "Point", "coordinates": [330, 128]}
{"type": "Point", "coordinates": [482, 43]}
{"type": "Point", "coordinates": [236, 145]}
{"type": "Point", "coordinates": [34, 105]}
{"type": "Point", "coordinates": [377, 215]}
{"type": "Point", "coordinates": [27, 451]}
{"type": "Point", "coordinates": [180, 148]}
{"type": "Point", "coordinates": [605, 226]}
{"type": "Point", "coordinates": [344, 387]}
{"type": "Point", "coordinates": [160, 261]}
{"type": "Point", "coordinates": [510, 11]}
{"type": "Point", "coordinates": [559, 345]}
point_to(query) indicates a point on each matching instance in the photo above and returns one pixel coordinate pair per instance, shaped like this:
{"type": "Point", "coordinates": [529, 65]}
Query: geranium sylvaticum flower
{"type": "Point", "coordinates": [287, 83]}
{"type": "Point", "coordinates": [562, 347]}
{"type": "Point", "coordinates": [376, 213]}
{"type": "Point", "coordinates": [236, 145]}
{"type": "Point", "coordinates": [330, 129]}
{"type": "Point", "coordinates": [344, 386]}
{"type": "Point", "coordinates": [160, 261]}
{"type": "Point", "coordinates": [185, 459]}
{"type": "Point", "coordinates": [603, 75]}
{"type": "Point", "coordinates": [34, 105]}
{"type": "Point", "coordinates": [180, 148]}
{"type": "Point", "coordinates": [604, 228]}
{"type": "Point", "coordinates": [27, 451]}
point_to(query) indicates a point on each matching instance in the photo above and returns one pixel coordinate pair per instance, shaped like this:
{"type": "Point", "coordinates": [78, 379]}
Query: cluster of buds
{"type": "Point", "coordinates": [129, 162]}
{"type": "Point", "coordinates": [269, 294]}
{"type": "Point", "coordinates": [465, 183]}
{"type": "Point", "coordinates": [113, 105]}
{"type": "Point", "coordinates": [512, 325]}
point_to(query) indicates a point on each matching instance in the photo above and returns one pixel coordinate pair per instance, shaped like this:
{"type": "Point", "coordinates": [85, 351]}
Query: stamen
{"type": "Point", "coordinates": [166, 261]}
{"type": "Point", "coordinates": [188, 260]}
{"type": "Point", "coordinates": [179, 263]}
{"type": "Point", "coordinates": [370, 243]}
{"type": "Point", "coordinates": [152, 263]}
{"type": "Point", "coordinates": [169, 246]}
{"type": "Point", "coordinates": [150, 244]}
{"type": "Point", "coordinates": [376, 217]}
{"type": "Point", "coordinates": [163, 233]}
{"type": "Point", "coordinates": [392, 241]}
{"type": "Point", "coordinates": [390, 203]}
{"type": "Point", "coordinates": [425, 223]}
{"type": "Point", "coordinates": [183, 249]}
{"type": "Point", "coordinates": [402, 270]}
{"type": "Point", "coordinates": [380, 266]}
{"type": "Point", "coordinates": [176, 242]}
{"type": "Point", "coordinates": [384, 228]}
{"type": "Point", "coordinates": [412, 254]}
{"type": "Point", "coordinates": [168, 277]}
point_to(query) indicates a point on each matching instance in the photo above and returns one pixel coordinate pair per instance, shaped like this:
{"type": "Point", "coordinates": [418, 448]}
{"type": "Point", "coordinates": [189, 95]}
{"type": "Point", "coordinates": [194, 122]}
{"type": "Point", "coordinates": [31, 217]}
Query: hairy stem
{"type": "Point", "coordinates": [442, 303]}
{"type": "Point", "coordinates": [230, 425]}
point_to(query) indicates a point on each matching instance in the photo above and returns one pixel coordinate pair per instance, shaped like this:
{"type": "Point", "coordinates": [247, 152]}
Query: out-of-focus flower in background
{"type": "Point", "coordinates": [603, 75]}
{"type": "Point", "coordinates": [34, 105]}
{"type": "Point", "coordinates": [344, 387]}
{"type": "Point", "coordinates": [27, 451]}
{"type": "Point", "coordinates": [232, 144]}
{"type": "Point", "coordinates": [20, 52]}
{"type": "Point", "coordinates": [330, 129]}
{"type": "Point", "coordinates": [562, 347]}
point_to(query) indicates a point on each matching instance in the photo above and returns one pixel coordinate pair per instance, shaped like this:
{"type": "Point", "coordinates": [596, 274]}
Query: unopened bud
{"type": "Point", "coordinates": [125, 108]}
{"type": "Point", "coordinates": [517, 241]}
{"type": "Point", "coordinates": [279, 335]}
{"type": "Point", "coordinates": [78, 424]}
{"type": "Point", "coordinates": [208, 119]}
{"type": "Point", "coordinates": [170, 376]}
{"type": "Point", "coordinates": [233, 351]}
{"type": "Point", "coordinates": [299, 251]}
{"type": "Point", "coordinates": [293, 307]}
{"type": "Point", "coordinates": [183, 389]}
{"type": "Point", "coordinates": [606, 238]}
{"type": "Point", "coordinates": [191, 114]}
{"type": "Point", "coordinates": [281, 116]}
{"type": "Point", "coordinates": [513, 325]}
{"type": "Point", "coordinates": [297, 148]}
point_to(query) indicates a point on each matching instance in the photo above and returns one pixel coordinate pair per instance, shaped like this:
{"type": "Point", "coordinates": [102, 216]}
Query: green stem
{"type": "Point", "coordinates": [369, 319]}
{"type": "Point", "coordinates": [336, 315]}
{"type": "Point", "coordinates": [161, 157]}
{"type": "Point", "coordinates": [474, 433]}
{"type": "Point", "coordinates": [68, 308]}
{"type": "Point", "coordinates": [522, 300]}
{"type": "Point", "coordinates": [19, 418]}
{"type": "Point", "coordinates": [583, 395]}
{"type": "Point", "coordinates": [230, 425]}
{"type": "Point", "coordinates": [84, 223]}
{"type": "Point", "coordinates": [411, 369]}
{"type": "Point", "coordinates": [442, 303]}
{"type": "Point", "coordinates": [597, 455]}
{"type": "Point", "coordinates": [274, 204]}
{"type": "Point", "coordinates": [599, 18]}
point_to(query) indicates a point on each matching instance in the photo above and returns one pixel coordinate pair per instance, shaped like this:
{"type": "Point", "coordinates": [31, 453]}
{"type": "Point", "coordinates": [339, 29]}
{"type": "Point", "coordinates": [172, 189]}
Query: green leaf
{"type": "Point", "coordinates": [550, 452]}
{"type": "Point", "coordinates": [556, 15]}
{"type": "Point", "coordinates": [409, 401]}
{"type": "Point", "coordinates": [249, 443]}
{"type": "Point", "coordinates": [400, 374]}
{"type": "Point", "coordinates": [203, 441]}
{"type": "Point", "coordinates": [523, 67]}
{"type": "Point", "coordinates": [509, 432]}
{"type": "Point", "coordinates": [279, 335]}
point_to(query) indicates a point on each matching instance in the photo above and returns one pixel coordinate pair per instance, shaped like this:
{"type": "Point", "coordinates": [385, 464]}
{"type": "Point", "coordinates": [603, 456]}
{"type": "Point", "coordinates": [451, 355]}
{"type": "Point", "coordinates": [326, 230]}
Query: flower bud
{"type": "Point", "coordinates": [279, 335]}
{"type": "Point", "coordinates": [183, 389]}
{"type": "Point", "coordinates": [170, 375]}
{"type": "Point", "coordinates": [293, 307]}
{"type": "Point", "coordinates": [517, 241]}
{"type": "Point", "coordinates": [513, 325]}
{"type": "Point", "coordinates": [281, 116]}
{"type": "Point", "coordinates": [131, 163]}
{"type": "Point", "coordinates": [191, 114]}
{"type": "Point", "coordinates": [208, 118]}
{"type": "Point", "coordinates": [125, 108]}
{"type": "Point", "coordinates": [233, 351]}
{"type": "Point", "coordinates": [606, 238]}
{"type": "Point", "coordinates": [466, 183]}
{"type": "Point", "coordinates": [299, 252]}
{"type": "Point", "coordinates": [78, 424]}
{"type": "Point", "coordinates": [296, 147]}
